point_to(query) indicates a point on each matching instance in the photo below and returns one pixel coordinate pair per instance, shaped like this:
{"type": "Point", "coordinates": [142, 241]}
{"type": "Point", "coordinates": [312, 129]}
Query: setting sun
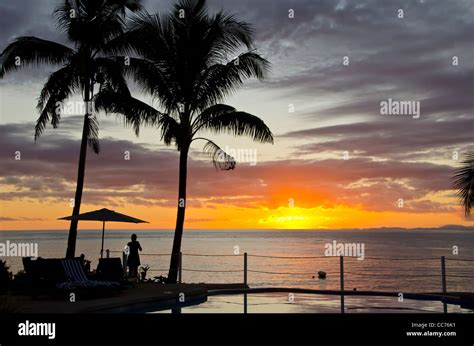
{"type": "Point", "coordinates": [295, 218]}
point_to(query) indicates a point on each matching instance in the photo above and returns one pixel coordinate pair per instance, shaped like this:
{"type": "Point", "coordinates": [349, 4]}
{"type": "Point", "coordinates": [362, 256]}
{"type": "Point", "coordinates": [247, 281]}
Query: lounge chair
{"type": "Point", "coordinates": [43, 274]}
{"type": "Point", "coordinates": [76, 277]}
{"type": "Point", "coordinates": [55, 276]}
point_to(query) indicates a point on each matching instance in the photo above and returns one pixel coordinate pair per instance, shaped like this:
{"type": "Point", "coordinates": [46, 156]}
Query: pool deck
{"type": "Point", "coordinates": [127, 300]}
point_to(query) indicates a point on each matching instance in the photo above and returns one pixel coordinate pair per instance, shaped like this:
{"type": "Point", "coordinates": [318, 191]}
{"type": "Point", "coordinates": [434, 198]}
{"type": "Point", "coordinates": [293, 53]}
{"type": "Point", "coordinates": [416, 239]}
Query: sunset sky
{"type": "Point", "coordinates": [336, 162]}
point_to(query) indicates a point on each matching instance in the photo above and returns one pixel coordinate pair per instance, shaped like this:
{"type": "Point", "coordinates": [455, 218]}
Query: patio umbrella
{"type": "Point", "coordinates": [103, 215]}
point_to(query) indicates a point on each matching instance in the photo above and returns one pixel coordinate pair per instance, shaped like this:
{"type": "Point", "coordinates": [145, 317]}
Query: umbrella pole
{"type": "Point", "coordinates": [102, 248]}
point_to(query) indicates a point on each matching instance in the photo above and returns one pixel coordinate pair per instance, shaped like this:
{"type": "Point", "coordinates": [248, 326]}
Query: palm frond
{"type": "Point", "coordinates": [135, 112]}
{"type": "Point", "coordinates": [60, 85]}
{"type": "Point", "coordinates": [225, 36]}
{"type": "Point", "coordinates": [221, 80]}
{"type": "Point", "coordinates": [110, 71]}
{"type": "Point", "coordinates": [148, 35]}
{"type": "Point", "coordinates": [153, 79]}
{"type": "Point", "coordinates": [195, 57]}
{"type": "Point", "coordinates": [124, 44]}
{"type": "Point", "coordinates": [464, 183]}
{"type": "Point", "coordinates": [219, 157]}
{"type": "Point", "coordinates": [25, 51]}
{"type": "Point", "coordinates": [224, 119]}
{"type": "Point", "coordinates": [193, 9]}
{"type": "Point", "coordinates": [93, 23]}
{"type": "Point", "coordinates": [170, 130]}
{"type": "Point", "coordinates": [93, 132]}
{"type": "Point", "coordinates": [131, 5]}
{"type": "Point", "coordinates": [209, 113]}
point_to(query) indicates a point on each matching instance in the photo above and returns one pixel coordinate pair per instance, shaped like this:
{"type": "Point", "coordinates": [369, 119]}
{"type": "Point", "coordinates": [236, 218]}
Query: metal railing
{"type": "Point", "coordinates": [342, 272]}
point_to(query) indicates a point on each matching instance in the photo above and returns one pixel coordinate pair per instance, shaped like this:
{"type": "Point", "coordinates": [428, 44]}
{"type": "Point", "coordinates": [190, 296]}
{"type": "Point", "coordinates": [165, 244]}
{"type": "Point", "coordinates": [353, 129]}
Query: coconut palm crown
{"type": "Point", "coordinates": [90, 26]}
{"type": "Point", "coordinates": [189, 61]}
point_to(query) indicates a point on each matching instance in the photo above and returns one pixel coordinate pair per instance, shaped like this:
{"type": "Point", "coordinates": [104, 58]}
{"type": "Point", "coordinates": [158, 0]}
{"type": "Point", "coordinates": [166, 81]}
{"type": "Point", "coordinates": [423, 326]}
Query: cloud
{"type": "Point", "coordinates": [8, 219]}
{"type": "Point", "coordinates": [409, 58]}
{"type": "Point", "coordinates": [390, 138]}
{"type": "Point", "coordinates": [47, 170]}
{"type": "Point", "coordinates": [389, 57]}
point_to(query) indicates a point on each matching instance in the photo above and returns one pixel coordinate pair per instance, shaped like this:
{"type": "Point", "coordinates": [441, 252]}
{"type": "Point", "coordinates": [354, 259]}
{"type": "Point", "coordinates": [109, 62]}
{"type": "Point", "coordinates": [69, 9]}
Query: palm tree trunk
{"type": "Point", "coordinates": [178, 233]}
{"type": "Point", "coordinates": [71, 242]}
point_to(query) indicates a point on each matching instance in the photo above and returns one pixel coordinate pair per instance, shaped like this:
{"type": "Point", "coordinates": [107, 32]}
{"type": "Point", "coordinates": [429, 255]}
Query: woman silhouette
{"type": "Point", "coordinates": [133, 257]}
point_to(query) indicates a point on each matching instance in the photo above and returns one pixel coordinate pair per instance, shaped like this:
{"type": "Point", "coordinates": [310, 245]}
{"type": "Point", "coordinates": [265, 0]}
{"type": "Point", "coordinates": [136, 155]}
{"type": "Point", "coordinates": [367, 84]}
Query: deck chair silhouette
{"type": "Point", "coordinates": [76, 277]}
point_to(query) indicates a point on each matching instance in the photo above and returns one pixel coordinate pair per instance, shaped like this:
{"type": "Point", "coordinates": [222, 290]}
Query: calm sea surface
{"type": "Point", "coordinates": [387, 265]}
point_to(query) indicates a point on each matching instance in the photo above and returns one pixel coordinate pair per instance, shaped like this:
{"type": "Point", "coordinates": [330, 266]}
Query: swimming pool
{"type": "Point", "coordinates": [282, 302]}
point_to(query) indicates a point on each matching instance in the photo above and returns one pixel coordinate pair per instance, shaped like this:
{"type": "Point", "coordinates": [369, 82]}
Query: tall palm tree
{"type": "Point", "coordinates": [464, 183]}
{"type": "Point", "coordinates": [190, 61]}
{"type": "Point", "coordinates": [91, 26]}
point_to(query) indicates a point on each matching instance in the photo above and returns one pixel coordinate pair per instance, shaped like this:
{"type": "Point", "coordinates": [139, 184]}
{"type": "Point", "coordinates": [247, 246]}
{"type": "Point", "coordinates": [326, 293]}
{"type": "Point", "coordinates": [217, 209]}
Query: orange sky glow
{"type": "Point", "coordinates": [42, 216]}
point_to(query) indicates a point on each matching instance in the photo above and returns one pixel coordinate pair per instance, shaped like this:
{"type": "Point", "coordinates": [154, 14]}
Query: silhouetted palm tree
{"type": "Point", "coordinates": [189, 61]}
{"type": "Point", "coordinates": [91, 26]}
{"type": "Point", "coordinates": [464, 183]}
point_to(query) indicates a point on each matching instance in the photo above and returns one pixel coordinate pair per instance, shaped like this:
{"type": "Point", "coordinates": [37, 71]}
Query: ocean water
{"type": "Point", "coordinates": [394, 260]}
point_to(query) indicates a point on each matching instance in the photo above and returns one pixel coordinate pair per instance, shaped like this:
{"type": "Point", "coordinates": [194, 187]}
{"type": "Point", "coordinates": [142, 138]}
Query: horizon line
{"type": "Point", "coordinates": [249, 229]}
